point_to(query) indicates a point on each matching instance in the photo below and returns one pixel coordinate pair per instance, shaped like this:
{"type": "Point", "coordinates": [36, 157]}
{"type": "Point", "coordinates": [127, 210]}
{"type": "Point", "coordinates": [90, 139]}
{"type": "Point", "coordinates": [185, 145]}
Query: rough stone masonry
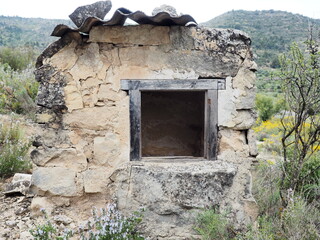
{"type": "Point", "coordinates": [83, 157]}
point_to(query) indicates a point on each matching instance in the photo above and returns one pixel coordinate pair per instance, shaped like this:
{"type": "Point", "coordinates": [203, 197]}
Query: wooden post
{"type": "Point", "coordinates": [212, 124]}
{"type": "Point", "coordinates": [135, 125]}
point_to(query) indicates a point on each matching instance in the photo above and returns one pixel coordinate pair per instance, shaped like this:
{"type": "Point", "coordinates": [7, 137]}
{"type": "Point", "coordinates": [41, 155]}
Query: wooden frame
{"type": "Point", "coordinates": [210, 86]}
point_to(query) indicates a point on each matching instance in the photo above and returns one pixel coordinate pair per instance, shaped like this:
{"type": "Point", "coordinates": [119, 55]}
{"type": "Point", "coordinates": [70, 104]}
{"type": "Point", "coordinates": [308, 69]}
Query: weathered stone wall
{"type": "Point", "coordinates": [83, 159]}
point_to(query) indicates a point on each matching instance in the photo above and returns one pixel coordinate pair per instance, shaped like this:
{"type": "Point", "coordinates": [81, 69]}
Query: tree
{"type": "Point", "coordinates": [300, 75]}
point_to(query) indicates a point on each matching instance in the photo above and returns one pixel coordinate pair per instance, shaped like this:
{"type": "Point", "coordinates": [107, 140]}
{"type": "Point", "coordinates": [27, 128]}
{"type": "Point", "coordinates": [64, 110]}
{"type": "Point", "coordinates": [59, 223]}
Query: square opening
{"type": "Point", "coordinates": [172, 123]}
{"type": "Point", "coordinates": [173, 118]}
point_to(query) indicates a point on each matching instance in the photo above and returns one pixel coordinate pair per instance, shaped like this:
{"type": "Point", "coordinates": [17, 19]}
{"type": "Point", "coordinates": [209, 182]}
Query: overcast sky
{"type": "Point", "coordinates": [201, 10]}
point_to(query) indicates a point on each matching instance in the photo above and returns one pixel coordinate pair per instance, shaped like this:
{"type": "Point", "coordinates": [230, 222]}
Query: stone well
{"type": "Point", "coordinates": [147, 116]}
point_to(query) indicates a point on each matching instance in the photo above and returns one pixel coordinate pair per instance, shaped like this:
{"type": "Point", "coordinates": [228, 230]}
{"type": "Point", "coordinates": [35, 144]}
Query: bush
{"type": "Point", "coordinates": [266, 189]}
{"type": "Point", "coordinates": [18, 91]}
{"type": "Point", "coordinates": [308, 179]}
{"type": "Point", "coordinates": [213, 225]}
{"type": "Point", "coordinates": [267, 228]}
{"type": "Point", "coordinates": [13, 150]}
{"type": "Point", "coordinates": [300, 220]}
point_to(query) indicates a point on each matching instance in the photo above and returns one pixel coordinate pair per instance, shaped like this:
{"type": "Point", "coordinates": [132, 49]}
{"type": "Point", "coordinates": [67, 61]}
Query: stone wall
{"type": "Point", "coordinates": [83, 158]}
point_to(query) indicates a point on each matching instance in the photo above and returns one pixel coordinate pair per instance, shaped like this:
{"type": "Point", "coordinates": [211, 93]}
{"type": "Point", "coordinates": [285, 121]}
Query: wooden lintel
{"type": "Point", "coordinates": [167, 84]}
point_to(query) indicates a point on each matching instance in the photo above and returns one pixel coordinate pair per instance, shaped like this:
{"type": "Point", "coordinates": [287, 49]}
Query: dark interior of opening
{"type": "Point", "coordinates": [172, 123]}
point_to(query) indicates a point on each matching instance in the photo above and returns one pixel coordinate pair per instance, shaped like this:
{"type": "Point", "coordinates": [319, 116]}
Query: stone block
{"type": "Point", "coordinates": [95, 180]}
{"type": "Point", "coordinates": [106, 94]}
{"type": "Point", "coordinates": [170, 192]}
{"type": "Point", "coordinates": [252, 142]}
{"type": "Point", "coordinates": [55, 181]}
{"type": "Point", "coordinates": [73, 97]}
{"type": "Point", "coordinates": [232, 140]}
{"type": "Point", "coordinates": [226, 105]}
{"type": "Point", "coordinates": [88, 63]}
{"type": "Point", "coordinates": [90, 82]}
{"type": "Point", "coordinates": [244, 119]}
{"type": "Point", "coordinates": [102, 118]}
{"type": "Point", "coordinates": [246, 99]}
{"type": "Point", "coordinates": [68, 158]}
{"type": "Point", "coordinates": [58, 60]}
{"type": "Point", "coordinates": [106, 149]}
{"type": "Point", "coordinates": [245, 79]}
{"type": "Point", "coordinates": [126, 72]}
{"type": "Point", "coordinates": [133, 35]}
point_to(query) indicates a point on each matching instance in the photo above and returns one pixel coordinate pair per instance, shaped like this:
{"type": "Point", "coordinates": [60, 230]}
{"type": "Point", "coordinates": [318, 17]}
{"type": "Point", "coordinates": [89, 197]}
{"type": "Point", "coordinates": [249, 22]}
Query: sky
{"type": "Point", "coordinates": [200, 10]}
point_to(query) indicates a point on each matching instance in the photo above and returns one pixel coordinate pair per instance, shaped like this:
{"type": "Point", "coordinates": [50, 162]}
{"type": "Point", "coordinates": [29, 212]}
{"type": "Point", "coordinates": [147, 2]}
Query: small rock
{"type": "Point", "coordinates": [62, 219]}
{"type": "Point", "coordinates": [20, 183]}
{"type": "Point", "coordinates": [17, 187]}
{"type": "Point", "coordinates": [11, 223]}
{"type": "Point", "coordinates": [5, 232]}
{"type": "Point", "coordinates": [21, 177]}
{"type": "Point", "coordinates": [20, 210]}
{"type": "Point", "coordinates": [98, 9]}
{"type": "Point", "coordinates": [165, 8]}
{"type": "Point", "coordinates": [26, 235]}
{"type": "Point", "coordinates": [44, 118]}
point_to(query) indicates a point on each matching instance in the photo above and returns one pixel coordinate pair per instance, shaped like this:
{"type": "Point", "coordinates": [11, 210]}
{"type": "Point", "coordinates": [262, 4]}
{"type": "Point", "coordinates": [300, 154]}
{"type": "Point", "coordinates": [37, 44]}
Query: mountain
{"type": "Point", "coordinates": [271, 31]}
{"type": "Point", "coordinates": [34, 32]}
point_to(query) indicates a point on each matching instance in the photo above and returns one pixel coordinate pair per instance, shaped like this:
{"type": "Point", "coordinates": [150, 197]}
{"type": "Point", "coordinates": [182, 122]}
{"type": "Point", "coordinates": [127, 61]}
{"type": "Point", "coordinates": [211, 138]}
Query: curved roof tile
{"type": "Point", "coordinates": [119, 18]}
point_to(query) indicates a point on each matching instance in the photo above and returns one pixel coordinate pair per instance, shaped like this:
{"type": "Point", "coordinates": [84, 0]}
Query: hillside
{"type": "Point", "coordinates": [271, 31]}
{"type": "Point", "coordinates": [34, 32]}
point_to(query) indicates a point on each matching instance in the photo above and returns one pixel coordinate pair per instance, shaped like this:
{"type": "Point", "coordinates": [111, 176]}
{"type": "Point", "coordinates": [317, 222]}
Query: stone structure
{"type": "Point", "coordinates": [83, 159]}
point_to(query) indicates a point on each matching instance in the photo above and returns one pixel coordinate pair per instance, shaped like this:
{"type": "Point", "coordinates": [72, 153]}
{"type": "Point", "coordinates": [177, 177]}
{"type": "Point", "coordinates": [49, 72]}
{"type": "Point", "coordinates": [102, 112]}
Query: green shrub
{"type": "Point", "coordinates": [213, 225]}
{"type": "Point", "coordinates": [268, 106]}
{"type": "Point", "coordinates": [310, 178]}
{"type": "Point", "coordinates": [13, 150]}
{"type": "Point", "coordinates": [301, 220]}
{"type": "Point", "coordinates": [307, 179]}
{"type": "Point", "coordinates": [266, 228]}
{"type": "Point", "coordinates": [266, 189]}
{"type": "Point", "coordinates": [18, 91]}
{"type": "Point", "coordinates": [298, 221]}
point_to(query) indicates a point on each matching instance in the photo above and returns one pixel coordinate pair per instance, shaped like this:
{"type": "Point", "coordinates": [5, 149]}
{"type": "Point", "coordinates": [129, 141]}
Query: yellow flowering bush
{"type": "Point", "coordinates": [269, 133]}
